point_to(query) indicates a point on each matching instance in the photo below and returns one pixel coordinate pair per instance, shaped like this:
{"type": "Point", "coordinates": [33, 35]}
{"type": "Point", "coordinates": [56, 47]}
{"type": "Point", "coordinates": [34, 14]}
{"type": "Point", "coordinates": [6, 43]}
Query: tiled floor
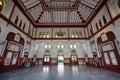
{"type": "Point", "coordinates": [60, 73]}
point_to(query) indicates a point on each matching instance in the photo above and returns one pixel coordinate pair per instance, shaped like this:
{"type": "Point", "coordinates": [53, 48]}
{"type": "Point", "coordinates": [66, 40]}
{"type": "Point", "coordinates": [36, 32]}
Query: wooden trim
{"type": "Point", "coordinates": [85, 32]}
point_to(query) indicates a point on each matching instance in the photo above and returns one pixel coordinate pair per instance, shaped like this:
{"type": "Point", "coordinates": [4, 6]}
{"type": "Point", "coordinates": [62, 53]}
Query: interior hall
{"type": "Point", "coordinates": [59, 39]}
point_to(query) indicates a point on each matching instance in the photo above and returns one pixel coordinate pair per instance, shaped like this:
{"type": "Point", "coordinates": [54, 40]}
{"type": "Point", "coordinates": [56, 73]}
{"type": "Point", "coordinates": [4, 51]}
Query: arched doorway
{"type": "Point", "coordinates": [12, 54]}
{"type": "Point", "coordinates": [74, 58]}
{"type": "Point", "coordinates": [46, 58]}
{"type": "Point", "coordinates": [108, 51]}
{"type": "Point", "coordinates": [60, 57]}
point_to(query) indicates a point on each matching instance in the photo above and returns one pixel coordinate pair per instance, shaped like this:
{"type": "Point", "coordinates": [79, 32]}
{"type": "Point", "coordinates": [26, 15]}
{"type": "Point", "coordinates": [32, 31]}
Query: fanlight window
{"type": "Point", "coordinates": [104, 19]}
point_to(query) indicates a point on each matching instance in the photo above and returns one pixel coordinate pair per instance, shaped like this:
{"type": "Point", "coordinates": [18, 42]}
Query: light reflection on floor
{"type": "Point", "coordinates": [46, 70]}
{"type": "Point", "coordinates": [75, 70]}
{"type": "Point", "coordinates": [60, 69]}
{"type": "Point", "coordinates": [60, 72]}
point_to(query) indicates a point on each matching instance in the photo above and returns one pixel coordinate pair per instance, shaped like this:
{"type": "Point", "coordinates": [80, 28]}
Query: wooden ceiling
{"type": "Point", "coordinates": [60, 12]}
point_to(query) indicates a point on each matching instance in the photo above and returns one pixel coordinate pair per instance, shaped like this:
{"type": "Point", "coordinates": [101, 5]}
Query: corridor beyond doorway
{"type": "Point", "coordinates": [60, 60]}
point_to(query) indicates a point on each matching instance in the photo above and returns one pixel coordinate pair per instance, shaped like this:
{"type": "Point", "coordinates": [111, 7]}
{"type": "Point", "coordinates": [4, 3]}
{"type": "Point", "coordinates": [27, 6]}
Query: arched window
{"type": "Point", "coordinates": [104, 19]}
{"type": "Point", "coordinates": [100, 23]}
{"type": "Point", "coordinates": [47, 35]}
{"type": "Point", "coordinates": [20, 24]}
{"type": "Point", "coordinates": [40, 34]}
{"type": "Point", "coordinates": [97, 26]}
{"type": "Point", "coordinates": [29, 31]}
{"type": "Point", "coordinates": [1, 4]}
{"type": "Point", "coordinates": [16, 20]}
{"type": "Point", "coordinates": [24, 26]}
{"type": "Point", "coordinates": [76, 34]}
{"type": "Point", "coordinates": [91, 31]}
{"type": "Point", "coordinates": [80, 34]}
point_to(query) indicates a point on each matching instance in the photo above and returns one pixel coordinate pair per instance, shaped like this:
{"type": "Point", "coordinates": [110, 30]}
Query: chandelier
{"type": "Point", "coordinates": [60, 34]}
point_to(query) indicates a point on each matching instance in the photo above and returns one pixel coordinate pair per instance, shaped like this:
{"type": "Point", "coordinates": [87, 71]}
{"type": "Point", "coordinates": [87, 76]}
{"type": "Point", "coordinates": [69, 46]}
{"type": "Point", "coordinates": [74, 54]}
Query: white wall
{"type": "Point", "coordinates": [82, 48]}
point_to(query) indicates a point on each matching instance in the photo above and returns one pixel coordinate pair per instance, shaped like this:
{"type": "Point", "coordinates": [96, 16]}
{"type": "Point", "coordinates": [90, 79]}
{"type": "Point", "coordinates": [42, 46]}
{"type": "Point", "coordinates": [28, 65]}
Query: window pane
{"type": "Point", "coordinates": [76, 36]}
{"type": "Point", "coordinates": [49, 46]}
{"type": "Point", "coordinates": [48, 59]}
{"type": "Point", "coordinates": [48, 36]}
{"type": "Point", "coordinates": [45, 46]}
{"type": "Point", "coordinates": [106, 58]}
{"type": "Point", "coordinates": [44, 59]}
{"type": "Point", "coordinates": [113, 58]}
{"type": "Point", "coordinates": [58, 46]}
{"type": "Point", "coordinates": [62, 46]}
{"type": "Point", "coordinates": [44, 36]}
{"type": "Point", "coordinates": [71, 46]}
{"type": "Point", "coordinates": [75, 46]}
{"type": "Point", "coordinates": [72, 36]}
